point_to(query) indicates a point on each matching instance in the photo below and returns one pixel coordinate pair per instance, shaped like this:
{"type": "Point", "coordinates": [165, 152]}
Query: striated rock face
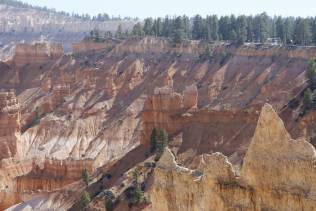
{"type": "Point", "coordinates": [9, 124]}
{"type": "Point", "coordinates": [282, 161]}
{"type": "Point", "coordinates": [190, 97]}
{"type": "Point", "coordinates": [37, 53]}
{"type": "Point", "coordinates": [202, 130]}
{"type": "Point", "coordinates": [278, 173]}
{"type": "Point", "coordinates": [101, 104]}
{"type": "Point", "coordinates": [90, 45]}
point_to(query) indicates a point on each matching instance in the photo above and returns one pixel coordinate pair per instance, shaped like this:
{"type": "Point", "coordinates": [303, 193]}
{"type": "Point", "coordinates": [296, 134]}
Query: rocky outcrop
{"type": "Point", "coordinates": [277, 173]}
{"type": "Point", "coordinates": [9, 124]}
{"type": "Point", "coordinates": [290, 52]}
{"type": "Point", "coordinates": [151, 45]}
{"type": "Point", "coordinates": [202, 130]}
{"type": "Point", "coordinates": [99, 105]}
{"type": "Point", "coordinates": [190, 97]}
{"type": "Point", "coordinates": [37, 53]}
{"type": "Point", "coordinates": [90, 45]}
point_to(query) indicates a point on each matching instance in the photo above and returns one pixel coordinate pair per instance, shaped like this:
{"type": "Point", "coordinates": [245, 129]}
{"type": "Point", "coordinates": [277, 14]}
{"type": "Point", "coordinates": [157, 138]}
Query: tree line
{"type": "Point", "coordinates": [85, 17]}
{"type": "Point", "coordinates": [235, 29]}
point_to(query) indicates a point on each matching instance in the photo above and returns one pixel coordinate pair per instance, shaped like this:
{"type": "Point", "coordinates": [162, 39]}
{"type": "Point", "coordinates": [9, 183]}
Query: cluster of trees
{"type": "Point", "coordinates": [86, 17]}
{"type": "Point", "coordinates": [135, 193]}
{"type": "Point", "coordinates": [237, 29]}
{"type": "Point", "coordinates": [158, 142]}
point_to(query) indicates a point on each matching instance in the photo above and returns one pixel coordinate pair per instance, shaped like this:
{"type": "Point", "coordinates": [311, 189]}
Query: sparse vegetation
{"type": "Point", "coordinates": [311, 74]}
{"type": "Point", "coordinates": [85, 176]}
{"type": "Point", "coordinates": [161, 144]}
{"type": "Point", "coordinates": [135, 193]}
{"type": "Point", "coordinates": [207, 55]}
{"type": "Point", "coordinates": [308, 99]}
{"type": "Point", "coordinates": [153, 140]}
{"type": "Point", "coordinates": [109, 200]}
{"type": "Point", "coordinates": [85, 200]}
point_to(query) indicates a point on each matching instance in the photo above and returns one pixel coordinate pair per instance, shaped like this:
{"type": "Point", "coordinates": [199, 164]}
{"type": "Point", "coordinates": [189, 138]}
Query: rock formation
{"type": "Point", "coordinates": [9, 125]}
{"type": "Point", "coordinates": [38, 53]}
{"type": "Point", "coordinates": [97, 106]}
{"type": "Point", "coordinates": [278, 173]}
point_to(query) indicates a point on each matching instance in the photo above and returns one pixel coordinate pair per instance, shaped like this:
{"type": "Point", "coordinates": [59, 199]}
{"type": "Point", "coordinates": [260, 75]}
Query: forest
{"type": "Point", "coordinates": [235, 29]}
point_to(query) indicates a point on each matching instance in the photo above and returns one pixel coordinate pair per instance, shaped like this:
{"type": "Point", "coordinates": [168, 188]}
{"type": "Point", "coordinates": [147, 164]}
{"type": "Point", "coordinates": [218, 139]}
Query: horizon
{"type": "Point", "coordinates": [163, 8]}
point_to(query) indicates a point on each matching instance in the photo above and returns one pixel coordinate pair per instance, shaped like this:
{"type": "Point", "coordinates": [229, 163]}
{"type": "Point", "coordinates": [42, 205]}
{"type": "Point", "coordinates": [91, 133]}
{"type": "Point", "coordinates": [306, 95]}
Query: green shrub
{"type": "Point", "coordinates": [207, 54]}
{"type": "Point", "coordinates": [308, 99]}
{"type": "Point", "coordinates": [161, 144]}
{"type": "Point", "coordinates": [153, 140]}
{"type": "Point", "coordinates": [136, 194]}
{"type": "Point", "coordinates": [85, 176]}
{"type": "Point", "coordinates": [85, 199]}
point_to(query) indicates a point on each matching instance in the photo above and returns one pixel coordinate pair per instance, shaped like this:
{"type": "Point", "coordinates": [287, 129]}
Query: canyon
{"type": "Point", "coordinates": [229, 120]}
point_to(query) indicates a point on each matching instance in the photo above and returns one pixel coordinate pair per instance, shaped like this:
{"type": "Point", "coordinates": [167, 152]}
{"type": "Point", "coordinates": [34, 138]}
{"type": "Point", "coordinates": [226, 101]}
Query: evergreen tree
{"type": "Point", "coordinates": [148, 26]}
{"type": "Point", "coordinates": [250, 34]}
{"type": "Point", "coordinates": [313, 30]}
{"type": "Point", "coordinates": [138, 193]}
{"type": "Point", "coordinates": [224, 28]}
{"type": "Point", "coordinates": [85, 176]}
{"type": "Point", "coordinates": [178, 33]}
{"type": "Point", "coordinates": [261, 30]}
{"type": "Point", "coordinates": [153, 140]}
{"type": "Point", "coordinates": [119, 32]}
{"type": "Point", "coordinates": [280, 29]}
{"type": "Point", "coordinates": [212, 28]}
{"type": "Point", "coordinates": [138, 30]}
{"type": "Point", "coordinates": [288, 30]}
{"type": "Point", "coordinates": [198, 28]}
{"type": "Point", "coordinates": [167, 27]}
{"type": "Point", "coordinates": [162, 143]}
{"type": "Point", "coordinates": [241, 29]}
{"type": "Point", "coordinates": [187, 27]}
{"type": "Point", "coordinates": [311, 74]}
{"type": "Point", "coordinates": [158, 27]}
{"type": "Point", "coordinates": [308, 99]}
{"type": "Point", "coordinates": [302, 32]}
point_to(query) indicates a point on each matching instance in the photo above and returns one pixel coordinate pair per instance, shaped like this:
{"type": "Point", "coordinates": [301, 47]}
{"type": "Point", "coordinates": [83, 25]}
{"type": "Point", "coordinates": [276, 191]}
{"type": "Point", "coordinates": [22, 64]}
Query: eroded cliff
{"type": "Point", "coordinates": [91, 109]}
{"type": "Point", "coordinates": [278, 173]}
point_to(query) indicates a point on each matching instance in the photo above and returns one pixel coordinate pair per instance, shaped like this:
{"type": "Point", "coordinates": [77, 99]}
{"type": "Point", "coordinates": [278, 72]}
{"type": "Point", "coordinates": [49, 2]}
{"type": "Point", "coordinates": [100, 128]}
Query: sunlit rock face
{"type": "Point", "coordinates": [91, 108]}
{"type": "Point", "coordinates": [9, 124]}
{"type": "Point", "coordinates": [37, 53]}
{"type": "Point", "coordinates": [278, 174]}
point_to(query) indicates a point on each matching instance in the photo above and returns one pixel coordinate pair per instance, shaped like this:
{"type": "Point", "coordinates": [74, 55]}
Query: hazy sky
{"type": "Point", "coordinates": [154, 8]}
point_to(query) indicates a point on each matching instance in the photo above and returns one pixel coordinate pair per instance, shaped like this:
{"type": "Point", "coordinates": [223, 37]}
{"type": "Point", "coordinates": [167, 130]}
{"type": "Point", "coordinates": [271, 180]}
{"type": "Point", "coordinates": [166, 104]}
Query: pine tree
{"type": "Point", "coordinates": [138, 31]}
{"type": "Point", "coordinates": [311, 74]}
{"type": "Point", "coordinates": [198, 28]}
{"type": "Point", "coordinates": [162, 143]}
{"type": "Point", "coordinates": [241, 29]}
{"type": "Point", "coordinates": [119, 32]}
{"type": "Point", "coordinates": [138, 193]}
{"type": "Point", "coordinates": [308, 99]}
{"type": "Point", "coordinates": [224, 27]}
{"type": "Point", "coordinates": [153, 140]}
{"type": "Point", "coordinates": [302, 32]}
{"type": "Point", "coordinates": [178, 33]}
{"type": "Point", "coordinates": [85, 176]}
{"type": "Point", "coordinates": [148, 26]}
{"type": "Point", "coordinates": [280, 29]}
